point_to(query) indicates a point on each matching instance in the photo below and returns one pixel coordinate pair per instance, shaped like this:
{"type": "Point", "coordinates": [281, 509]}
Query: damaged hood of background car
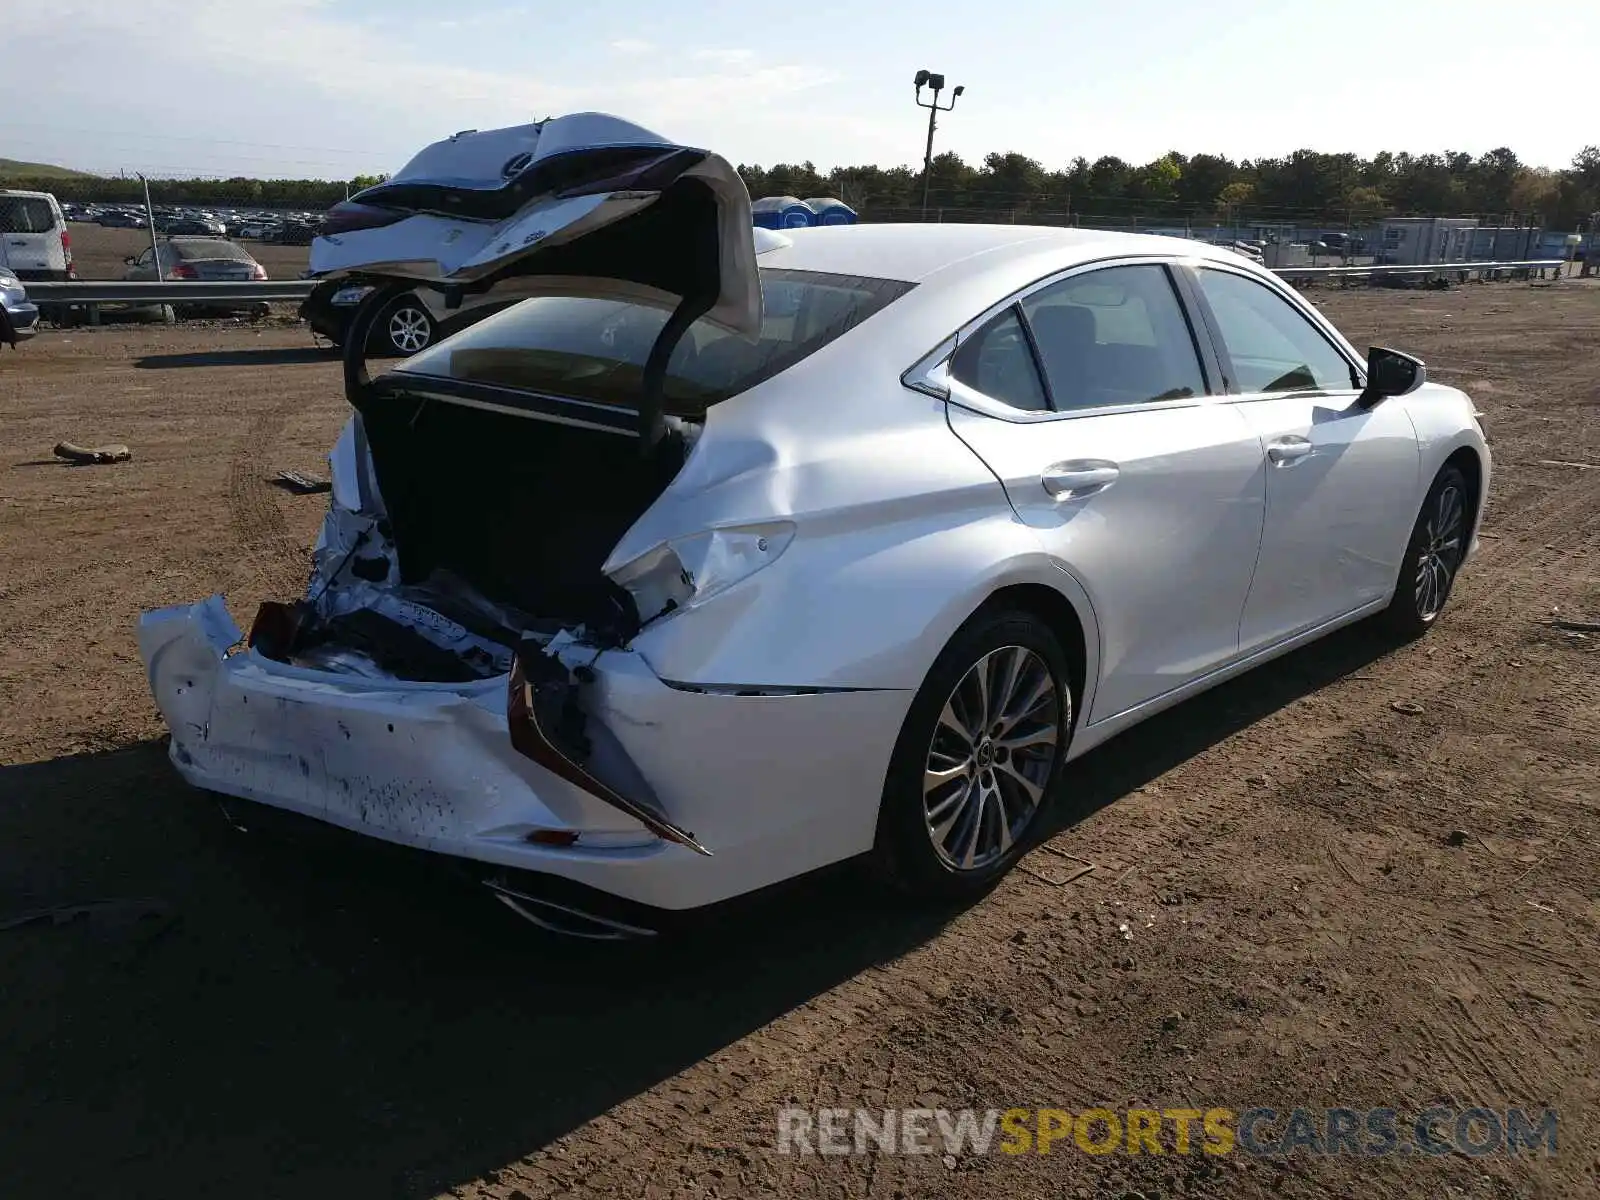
{"type": "Point", "coordinates": [581, 197]}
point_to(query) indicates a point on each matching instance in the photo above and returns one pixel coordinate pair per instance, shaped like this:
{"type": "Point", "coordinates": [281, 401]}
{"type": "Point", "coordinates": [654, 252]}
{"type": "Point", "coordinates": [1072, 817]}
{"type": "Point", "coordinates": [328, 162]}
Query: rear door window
{"type": "Point", "coordinates": [998, 362]}
{"type": "Point", "coordinates": [26, 214]}
{"type": "Point", "coordinates": [589, 348]}
{"type": "Point", "coordinates": [1115, 336]}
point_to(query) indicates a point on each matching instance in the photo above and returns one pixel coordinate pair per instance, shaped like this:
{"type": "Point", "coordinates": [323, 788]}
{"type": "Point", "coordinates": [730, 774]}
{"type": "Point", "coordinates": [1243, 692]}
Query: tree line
{"type": "Point", "coordinates": [1305, 187]}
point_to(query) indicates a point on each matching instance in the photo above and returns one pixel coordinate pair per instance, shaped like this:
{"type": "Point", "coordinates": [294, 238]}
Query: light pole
{"type": "Point", "coordinates": [926, 79]}
{"type": "Point", "coordinates": [150, 219]}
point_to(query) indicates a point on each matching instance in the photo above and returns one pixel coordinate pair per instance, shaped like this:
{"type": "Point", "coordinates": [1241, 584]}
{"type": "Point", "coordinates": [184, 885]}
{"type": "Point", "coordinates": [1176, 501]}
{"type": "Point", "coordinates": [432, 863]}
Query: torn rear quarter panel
{"type": "Point", "coordinates": [542, 697]}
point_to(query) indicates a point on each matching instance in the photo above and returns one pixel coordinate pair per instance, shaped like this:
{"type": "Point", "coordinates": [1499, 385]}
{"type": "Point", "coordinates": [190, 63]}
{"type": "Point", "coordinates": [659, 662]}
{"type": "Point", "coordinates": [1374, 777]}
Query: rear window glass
{"type": "Point", "coordinates": [26, 214]}
{"type": "Point", "coordinates": [594, 349]}
{"type": "Point", "coordinates": [196, 250]}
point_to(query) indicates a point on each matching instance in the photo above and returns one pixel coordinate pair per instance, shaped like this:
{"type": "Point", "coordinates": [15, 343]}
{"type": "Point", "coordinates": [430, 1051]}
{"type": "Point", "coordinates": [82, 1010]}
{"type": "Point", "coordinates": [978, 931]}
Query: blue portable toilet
{"type": "Point", "coordinates": [832, 212]}
{"type": "Point", "coordinates": [782, 212]}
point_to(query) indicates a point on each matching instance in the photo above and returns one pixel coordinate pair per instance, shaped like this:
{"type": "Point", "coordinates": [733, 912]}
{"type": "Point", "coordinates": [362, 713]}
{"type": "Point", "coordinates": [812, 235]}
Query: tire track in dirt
{"type": "Point", "coordinates": [1490, 1051]}
{"type": "Point", "coordinates": [25, 601]}
{"type": "Point", "coordinates": [738, 1088]}
{"type": "Point", "coordinates": [254, 507]}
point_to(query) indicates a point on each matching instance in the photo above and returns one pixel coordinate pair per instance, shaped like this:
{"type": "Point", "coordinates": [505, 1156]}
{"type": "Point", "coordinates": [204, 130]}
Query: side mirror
{"type": "Point", "coordinates": [1391, 373]}
{"type": "Point", "coordinates": [130, 260]}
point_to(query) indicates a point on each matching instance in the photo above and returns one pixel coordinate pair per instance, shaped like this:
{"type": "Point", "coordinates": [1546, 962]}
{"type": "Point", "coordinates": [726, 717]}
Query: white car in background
{"type": "Point", "coordinates": [413, 318]}
{"type": "Point", "coordinates": [34, 242]}
{"type": "Point", "coordinates": [727, 555]}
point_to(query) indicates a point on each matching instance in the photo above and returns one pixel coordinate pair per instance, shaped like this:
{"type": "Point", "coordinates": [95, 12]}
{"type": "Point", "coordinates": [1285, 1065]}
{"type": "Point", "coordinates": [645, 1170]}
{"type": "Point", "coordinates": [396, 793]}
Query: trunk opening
{"type": "Point", "coordinates": [524, 510]}
{"type": "Point", "coordinates": [499, 524]}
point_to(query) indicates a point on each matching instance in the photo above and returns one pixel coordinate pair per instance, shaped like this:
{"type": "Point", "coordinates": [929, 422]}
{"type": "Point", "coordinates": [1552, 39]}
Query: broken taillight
{"type": "Point", "coordinates": [687, 571]}
{"type": "Point", "coordinates": [541, 699]}
{"type": "Point", "coordinates": [276, 627]}
{"type": "Point", "coordinates": [551, 837]}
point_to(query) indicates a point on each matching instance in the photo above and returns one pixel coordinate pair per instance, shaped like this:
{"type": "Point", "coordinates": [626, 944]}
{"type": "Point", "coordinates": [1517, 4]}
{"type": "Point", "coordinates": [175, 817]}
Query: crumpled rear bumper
{"type": "Point", "coordinates": [774, 785]}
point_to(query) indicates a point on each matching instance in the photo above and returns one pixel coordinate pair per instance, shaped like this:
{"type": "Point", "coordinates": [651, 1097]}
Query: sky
{"type": "Point", "coordinates": [334, 88]}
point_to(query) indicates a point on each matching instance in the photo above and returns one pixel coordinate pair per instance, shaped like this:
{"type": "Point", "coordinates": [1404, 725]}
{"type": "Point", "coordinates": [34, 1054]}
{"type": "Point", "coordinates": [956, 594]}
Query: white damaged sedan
{"type": "Point", "coordinates": [723, 556]}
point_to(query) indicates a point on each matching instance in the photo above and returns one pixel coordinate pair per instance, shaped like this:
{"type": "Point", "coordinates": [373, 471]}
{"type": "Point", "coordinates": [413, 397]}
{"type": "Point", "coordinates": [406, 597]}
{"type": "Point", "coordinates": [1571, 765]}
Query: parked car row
{"type": "Point", "coordinates": [288, 228]}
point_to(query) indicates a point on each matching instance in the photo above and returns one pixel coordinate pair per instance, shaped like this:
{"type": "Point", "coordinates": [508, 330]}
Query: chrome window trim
{"type": "Point", "coordinates": [930, 374]}
{"type": "Point", "coordinates": [1304, 393]}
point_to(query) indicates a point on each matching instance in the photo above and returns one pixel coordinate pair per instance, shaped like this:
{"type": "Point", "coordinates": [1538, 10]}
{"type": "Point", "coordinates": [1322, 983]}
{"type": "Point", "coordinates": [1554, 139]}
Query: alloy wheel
{"type": "Point", "coordinates": [990, 759]}
{"type": "Point", "coordinates": [409, 329]}
{"type": "Point", "coordinates": [1441, 552]}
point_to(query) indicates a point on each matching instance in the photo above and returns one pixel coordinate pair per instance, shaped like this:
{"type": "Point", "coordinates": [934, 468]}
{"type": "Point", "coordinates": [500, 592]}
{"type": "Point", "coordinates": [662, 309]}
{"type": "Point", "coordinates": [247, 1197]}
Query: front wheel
{"type": "Point", "coordinates": [976, 758]}
{"type": "Point", "coordinates": [1433, 556]}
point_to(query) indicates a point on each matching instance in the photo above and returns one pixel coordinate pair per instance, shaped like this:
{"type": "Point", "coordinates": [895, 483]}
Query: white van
{"type": "Point", "coordinates": [34, 243]}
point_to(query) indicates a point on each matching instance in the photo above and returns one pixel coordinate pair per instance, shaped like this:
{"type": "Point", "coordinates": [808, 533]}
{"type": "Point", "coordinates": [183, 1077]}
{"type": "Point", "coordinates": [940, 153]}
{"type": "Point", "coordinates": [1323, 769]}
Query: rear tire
{"type": "Point", "coordinates": [1432, 558]}
{"type": "Point", "coordinates": [405, 328]}
{"type": "Point", "coordinates": [976, 758]}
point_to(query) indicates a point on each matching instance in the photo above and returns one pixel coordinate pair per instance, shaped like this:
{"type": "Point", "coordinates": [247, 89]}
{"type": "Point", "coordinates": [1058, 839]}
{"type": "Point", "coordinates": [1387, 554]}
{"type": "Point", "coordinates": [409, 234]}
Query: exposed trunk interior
{"type": "Point", "coordinates": [525, 510]}
{"type": "Point", "coordinates": [501, 524]}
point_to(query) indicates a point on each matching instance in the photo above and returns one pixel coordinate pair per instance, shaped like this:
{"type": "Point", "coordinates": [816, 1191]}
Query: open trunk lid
{"type": "Point", "coordinates": [586, 196]}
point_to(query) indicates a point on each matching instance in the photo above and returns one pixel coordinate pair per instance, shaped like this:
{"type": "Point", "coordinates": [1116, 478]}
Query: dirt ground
{"type": "Point", "coordinates": [99, 253]}
{"type": "Point", "coordinates": [1328, 899]}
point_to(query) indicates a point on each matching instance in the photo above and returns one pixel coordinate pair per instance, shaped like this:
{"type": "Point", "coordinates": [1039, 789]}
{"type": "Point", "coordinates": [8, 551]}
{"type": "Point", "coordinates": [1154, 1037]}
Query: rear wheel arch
{"type": "Point", "coordinates": [1024, 623]}
{"type": "Point", "coordinates": [1059, 612]}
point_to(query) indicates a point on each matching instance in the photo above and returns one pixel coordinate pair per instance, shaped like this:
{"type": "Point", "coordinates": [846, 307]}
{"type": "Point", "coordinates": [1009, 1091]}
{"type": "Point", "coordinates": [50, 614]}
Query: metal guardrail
{"type": "Point", "coordinates": [115, 291]}
{"type": "Point", "coordinates": [91, 294]}
{"type": "Point", "coordinates": [1431, 269]}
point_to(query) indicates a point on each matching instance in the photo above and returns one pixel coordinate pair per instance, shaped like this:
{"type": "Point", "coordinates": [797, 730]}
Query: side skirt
{"type": "Point", "coordinates": [1100, 731]}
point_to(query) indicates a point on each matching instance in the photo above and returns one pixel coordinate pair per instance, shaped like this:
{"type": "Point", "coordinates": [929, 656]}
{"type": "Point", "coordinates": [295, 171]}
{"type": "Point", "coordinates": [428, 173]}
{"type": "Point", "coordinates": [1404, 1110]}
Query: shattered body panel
{"type": "Point", "coordinates": [432, 766]}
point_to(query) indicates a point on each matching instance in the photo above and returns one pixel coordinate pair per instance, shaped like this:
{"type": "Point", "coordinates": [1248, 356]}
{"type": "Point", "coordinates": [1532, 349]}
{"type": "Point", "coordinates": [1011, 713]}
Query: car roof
{"type": "Point", "coordinates": [916, 252]}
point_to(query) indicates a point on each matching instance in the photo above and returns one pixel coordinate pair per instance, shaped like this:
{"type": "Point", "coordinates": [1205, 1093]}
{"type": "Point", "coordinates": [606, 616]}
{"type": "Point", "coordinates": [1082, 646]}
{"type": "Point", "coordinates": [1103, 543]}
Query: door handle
{"type": "Point", "coordinates": [1286, 451]}
{"type": "Point", "coordinates": [1083, 477]}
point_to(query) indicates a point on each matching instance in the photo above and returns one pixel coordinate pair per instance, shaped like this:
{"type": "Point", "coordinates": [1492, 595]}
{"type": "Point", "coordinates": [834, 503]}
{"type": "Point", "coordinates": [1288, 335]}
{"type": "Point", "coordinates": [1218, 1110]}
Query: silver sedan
{"type": "Point", "coordinates": [703, 568]}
